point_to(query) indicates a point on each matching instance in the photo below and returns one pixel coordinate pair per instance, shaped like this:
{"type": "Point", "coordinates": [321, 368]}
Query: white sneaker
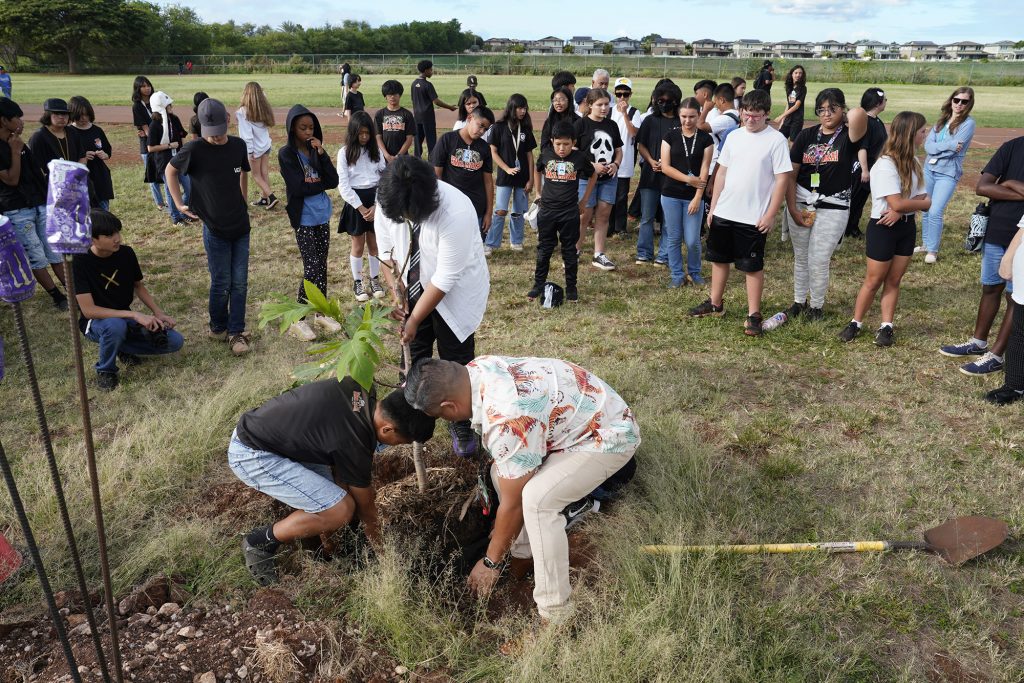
{"type": "Point", "coordinates": [517, 247]}
{"type": "Point", "coordinates": [918, 249]}
{"type": "Point", "coordinates": [302, 331]}
{"type": "Point", "coordinates": [488, 250]}
{"type": "Point", "coordinates": [327, 324]}
{"type": "Point", "coordinates": [930, 258]}
{"type": "Point", "coordinates": [375, 289]}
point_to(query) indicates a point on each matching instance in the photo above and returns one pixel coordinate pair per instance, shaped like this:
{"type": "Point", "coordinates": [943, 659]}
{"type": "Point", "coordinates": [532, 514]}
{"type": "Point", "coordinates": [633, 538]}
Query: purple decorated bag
{"type": "Point", "coordinates": [68, 226]}
{"type": "Point", "coordinates": [16, 280]}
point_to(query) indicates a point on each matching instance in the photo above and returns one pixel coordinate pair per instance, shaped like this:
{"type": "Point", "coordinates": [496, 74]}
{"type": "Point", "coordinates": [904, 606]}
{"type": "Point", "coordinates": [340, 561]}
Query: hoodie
{"type": "Point", "coordinates": [296, 187]}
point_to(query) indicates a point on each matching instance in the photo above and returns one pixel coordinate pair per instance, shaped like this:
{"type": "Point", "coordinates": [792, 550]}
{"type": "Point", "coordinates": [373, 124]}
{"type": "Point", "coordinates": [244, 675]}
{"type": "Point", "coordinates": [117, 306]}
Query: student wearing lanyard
{"type": "Point", "coordinates": [819, 200]}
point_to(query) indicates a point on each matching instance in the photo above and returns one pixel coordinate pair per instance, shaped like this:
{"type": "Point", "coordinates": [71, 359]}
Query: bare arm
{"type": "Point", "coordinates": [174, 188]}
{"type": "Point", "coordinates": [1006, 264]}
{"type": "Point", "coordinates": [406, 145]}
{"type": "Point", "coordinates": [366, 510]}
{"type": "Point", "coordinates": [146, 298]}
{"type": "Point", "coordinates": [720, 172]}
{"type": "Point", "coordinates": [90, 310]}
{"type": "Point", "coordinates": [439, 171]}
{"type": "Point", "coordinates": [507, 525]}
{"type": "Point", "coordinates": [862, 158]}
{"type": "Point", "coordinates": [1009, 190]}
{"type": "Point", "coordinates": [439, 102]}
{"type": "Point", "coordinates": [489, 193]}
{"type": "Point", "coordinates": [12, 175]}
{"type": "Point", "coordinates": [782, 183]}
{"type": "Point", "coordinates": [791, 197]}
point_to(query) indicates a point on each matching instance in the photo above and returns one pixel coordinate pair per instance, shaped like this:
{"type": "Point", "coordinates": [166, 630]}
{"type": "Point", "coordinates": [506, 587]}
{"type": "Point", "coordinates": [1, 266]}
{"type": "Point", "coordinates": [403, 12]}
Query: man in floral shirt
{"type": "Point", "coordinates": [555, 431]}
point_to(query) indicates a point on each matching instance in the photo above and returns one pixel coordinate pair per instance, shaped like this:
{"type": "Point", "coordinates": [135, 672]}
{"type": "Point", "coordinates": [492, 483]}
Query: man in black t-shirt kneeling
{"type": "Point", "coordinates": [312, 449]}
{"type": "Point", "coordinates": [107, 280]}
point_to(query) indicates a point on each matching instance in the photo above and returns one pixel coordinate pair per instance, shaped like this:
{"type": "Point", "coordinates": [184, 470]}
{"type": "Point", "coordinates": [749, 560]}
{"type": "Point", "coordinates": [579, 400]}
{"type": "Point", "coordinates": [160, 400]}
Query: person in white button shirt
{"type": "Point", "coordinates": [454, 282]}
{"type": "Point", "coordinates": [255, 119]}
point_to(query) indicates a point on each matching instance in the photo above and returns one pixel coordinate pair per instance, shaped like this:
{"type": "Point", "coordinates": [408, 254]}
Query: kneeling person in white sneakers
{"type": "Point", "coordinates": [312, 449]}
{"type": "Point", "coordinates": [555, 431]}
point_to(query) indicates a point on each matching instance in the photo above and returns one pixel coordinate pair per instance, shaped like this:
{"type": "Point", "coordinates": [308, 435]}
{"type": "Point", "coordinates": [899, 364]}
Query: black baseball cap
{"type": "Point", "coordinates": [55, 105]}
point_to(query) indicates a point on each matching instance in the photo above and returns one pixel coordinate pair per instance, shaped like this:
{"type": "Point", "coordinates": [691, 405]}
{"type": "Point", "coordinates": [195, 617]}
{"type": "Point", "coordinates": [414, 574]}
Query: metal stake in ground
{"type": "Point", "coordinates": [37, 562]}
{"type": "Point", "coordinates": [58, 488]}
{"type": "Point", "coordinates": [69, 231]}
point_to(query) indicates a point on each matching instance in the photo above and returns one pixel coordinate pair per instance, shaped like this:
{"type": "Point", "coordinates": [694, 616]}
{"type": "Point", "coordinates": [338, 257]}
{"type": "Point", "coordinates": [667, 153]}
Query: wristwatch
{"type": "Point", "coordinates": [497, 566]}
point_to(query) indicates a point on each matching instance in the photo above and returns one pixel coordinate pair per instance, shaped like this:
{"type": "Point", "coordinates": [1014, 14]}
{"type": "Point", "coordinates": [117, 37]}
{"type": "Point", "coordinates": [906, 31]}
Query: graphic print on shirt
{"type": "Point", "coordinates": [111, 280]}
{"type": "Point", "coordinates": [560, 171]}
{"type": "Point", "coordinates": [309, 173]}
{"type": "Point", "coordinates": [820, 153]}
{"type": "Point", "coordinates": [358, 402]}
{"type": "Point", "coordinates": [468, 159]}
{"type": "Point", "coordinates": [393, 123]}
{"type": "Point", "coordinates": [601, 149]}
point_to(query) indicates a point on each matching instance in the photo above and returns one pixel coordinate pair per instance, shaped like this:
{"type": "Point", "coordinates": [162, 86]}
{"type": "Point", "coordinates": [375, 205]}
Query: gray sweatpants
{"type": "Point", "coordinates": [812, 252]}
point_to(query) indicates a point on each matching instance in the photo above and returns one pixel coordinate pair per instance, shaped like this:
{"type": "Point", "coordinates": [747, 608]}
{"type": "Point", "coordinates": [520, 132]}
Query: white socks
{"type": "Point", "coordinates": [356, 264]}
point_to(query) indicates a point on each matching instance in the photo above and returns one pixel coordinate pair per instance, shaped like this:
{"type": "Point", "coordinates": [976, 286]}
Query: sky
{"type": "Point", "coordinates": [942, 21]}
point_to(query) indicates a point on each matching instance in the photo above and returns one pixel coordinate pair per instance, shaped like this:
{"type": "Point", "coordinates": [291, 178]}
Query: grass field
{"type": "Point", "coordinates": [791, 437]}
{"type": "Point", "coordinates": [998, 107]}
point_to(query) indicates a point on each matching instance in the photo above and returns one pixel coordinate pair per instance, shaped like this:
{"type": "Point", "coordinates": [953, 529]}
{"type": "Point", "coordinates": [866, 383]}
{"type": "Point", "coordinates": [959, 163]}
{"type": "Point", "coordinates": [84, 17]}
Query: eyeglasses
{"type": "Point", "coordinates": [960, 100]}
{"type": "Point", "coordinates": [827, 110]}
{"type": "Point", "coordinates": [622, 95]}
{"type": "Point", "coordinates": [755, 117]}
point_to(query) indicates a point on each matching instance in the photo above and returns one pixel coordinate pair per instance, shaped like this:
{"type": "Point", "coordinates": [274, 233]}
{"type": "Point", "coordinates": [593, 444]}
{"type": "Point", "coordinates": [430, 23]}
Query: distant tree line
{"type": "Point", "coordinates": [84, 32]}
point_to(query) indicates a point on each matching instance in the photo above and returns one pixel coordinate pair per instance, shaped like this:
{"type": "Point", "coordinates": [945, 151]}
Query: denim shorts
{"type": "Point", "coordinates": [991, 255]}
{"type": "Point", "coordinates": [604, 191]}
{"type": "Point", "coordinates": [303, 486]}
{"type": "Point", "coordinates": [30, 226]}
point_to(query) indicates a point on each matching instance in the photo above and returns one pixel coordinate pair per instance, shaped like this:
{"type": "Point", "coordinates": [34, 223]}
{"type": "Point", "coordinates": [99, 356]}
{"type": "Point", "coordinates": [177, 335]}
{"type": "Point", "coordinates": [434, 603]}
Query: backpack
{"type": "Point", "coordinates": [734, 117]}
{"type": "Point", "coordinates": [553, 296]}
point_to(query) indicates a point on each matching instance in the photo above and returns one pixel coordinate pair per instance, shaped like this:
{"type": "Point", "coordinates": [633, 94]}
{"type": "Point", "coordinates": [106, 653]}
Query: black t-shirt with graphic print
{"type": "Point", "coordinates": [464, 166]}
{"type": "Point", "coordinates": [799, 92]}
{"type": "Point", "coordinates": [394, 127]}
{"type": "Point", "coordinates": [687, 156]}
{"type": "Point", "coordinates": [110, 280]}
{"type": "Point", "coordinates": [598, 139]}
{"type": "Point", "coordinates": [326, 423]}
{"type": "Point", "coordinates": [503, 138]}
{"type": "Point", "coordinates": [835, 165]}
{"type": "Point", "coordinates": [559, 197]}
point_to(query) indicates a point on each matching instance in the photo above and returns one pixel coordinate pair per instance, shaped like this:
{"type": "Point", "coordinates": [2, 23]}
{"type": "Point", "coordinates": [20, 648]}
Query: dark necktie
{"type": "Point", "coordinates": [415, 288]}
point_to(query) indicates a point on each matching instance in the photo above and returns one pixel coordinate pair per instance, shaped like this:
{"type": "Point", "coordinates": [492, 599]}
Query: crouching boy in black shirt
{"type": "Point", "coordinates": [107, 280]}
{"type": "Point", "coordinates": [312, 449]}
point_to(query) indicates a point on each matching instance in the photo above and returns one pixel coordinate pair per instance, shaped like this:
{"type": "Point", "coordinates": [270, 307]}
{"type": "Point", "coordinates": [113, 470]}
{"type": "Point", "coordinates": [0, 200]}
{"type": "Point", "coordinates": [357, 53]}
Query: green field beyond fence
{"type": "Point", "coordinates": [841, 71]}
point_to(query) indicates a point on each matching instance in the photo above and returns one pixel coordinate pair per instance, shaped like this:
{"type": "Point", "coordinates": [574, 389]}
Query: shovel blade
{"type": "Point", "coordinates": [963, 538]}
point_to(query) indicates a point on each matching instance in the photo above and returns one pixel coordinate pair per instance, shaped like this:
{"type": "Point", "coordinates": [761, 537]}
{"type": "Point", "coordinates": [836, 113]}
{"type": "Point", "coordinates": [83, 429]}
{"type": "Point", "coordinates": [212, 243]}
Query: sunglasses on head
{"type": "Point", "coordinates": [960, 100]}
{"type": "Point", "coordinates": [623, 94]}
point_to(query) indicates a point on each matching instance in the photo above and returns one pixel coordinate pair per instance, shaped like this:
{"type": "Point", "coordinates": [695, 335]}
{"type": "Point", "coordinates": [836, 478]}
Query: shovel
{"type": "Point", "coordinates": [956, 541]}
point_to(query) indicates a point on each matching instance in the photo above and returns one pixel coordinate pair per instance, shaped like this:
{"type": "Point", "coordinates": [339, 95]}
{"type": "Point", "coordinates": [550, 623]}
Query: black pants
{"type": "Point", "coordinates": [551, 231]}
{"type": "Point", "coordinates": [424, 131]}
{"type": "Point", "coordinates": [434, 328]}
{"type": "Point", "coordinates": [620, 209]}
{"type": "Point", "coordinates": [313, 241]}
{"type": "Point", "coordinates": [1014, 357]}
{"type": "Point", "coordinates": [858, 197]}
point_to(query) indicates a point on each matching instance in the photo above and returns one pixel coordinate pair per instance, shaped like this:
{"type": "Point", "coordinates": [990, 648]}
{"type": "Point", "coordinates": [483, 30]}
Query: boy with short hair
{"type": "Point", "coordinates": [354, 99]}
{"type": "Point", "coordinates": [704, 91]}
{"type": "Point", "coordinates": [107, 279]}
{"type": "Point", "coordinates": [563, 79]}
{"type": "Point", "coordinates": [311, 448]}
{"type": "Point", "coordinates": [218, 165]}
{"type": "Point", "coordinates": [753, 174]}
{"type": "Point", "coordinates": [424, 97]}
{"type": "Point", "coordinates": [462, 159]}
{"type": "Point", "coordinates": [395, 124]}
{"type": "Point", "coordinates": [559, 171]}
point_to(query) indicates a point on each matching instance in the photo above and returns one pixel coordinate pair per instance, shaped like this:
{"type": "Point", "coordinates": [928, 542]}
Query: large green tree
{"type": "Point", "coordinates": [75, 28]}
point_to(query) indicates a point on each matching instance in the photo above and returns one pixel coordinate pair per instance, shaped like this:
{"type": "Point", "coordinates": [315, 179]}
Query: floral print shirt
{"type": "Point", "coordinates": [526, 408]}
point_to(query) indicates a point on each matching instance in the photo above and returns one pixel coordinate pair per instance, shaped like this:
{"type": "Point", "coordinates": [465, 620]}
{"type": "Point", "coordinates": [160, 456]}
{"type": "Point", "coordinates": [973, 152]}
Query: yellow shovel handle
{"type": "Point", "coordinates": [837, 547]}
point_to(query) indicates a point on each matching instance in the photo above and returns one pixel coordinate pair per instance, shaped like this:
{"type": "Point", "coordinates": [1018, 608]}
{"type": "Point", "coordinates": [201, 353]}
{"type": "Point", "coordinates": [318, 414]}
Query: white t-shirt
{"type": "Point", "coordinates": [753, 160]}
{"type": "Point", "coordinates": [722, 123]}
{"type": "Point", "coordinates": [628, 147]}
{"type": "Point", "coordinates": [885, 180]}
{"type": "Point", "coordinates": [1018, 270]}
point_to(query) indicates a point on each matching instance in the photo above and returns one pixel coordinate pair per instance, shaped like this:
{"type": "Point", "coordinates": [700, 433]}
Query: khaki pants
{"type": "Point", "coordinates": [563, 478]}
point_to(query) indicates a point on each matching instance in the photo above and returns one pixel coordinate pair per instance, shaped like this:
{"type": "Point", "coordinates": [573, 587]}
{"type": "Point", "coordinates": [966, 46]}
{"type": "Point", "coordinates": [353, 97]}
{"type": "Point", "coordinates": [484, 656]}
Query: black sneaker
{"type": "Point", "coordinates": [60, 301]}
{"type": "Point", "coordinates": [464, 439]}
{"type": "Point", "coordinates": [707, 308]}
{"type": "Point", "coordinates": [752, 327]}
{"type": "Point", "coordinates": [1004, 396]}
{"type": "Point", "coordinates": [260, 564]}
{"type": "Point", "coordinates": [262, 201]}
{"type": "Point", "coordinates": [850, 332]}
{"type": "Point", "coordinates": [271, 201]}
{"type": "Point", "coordinates": [812, 313]}
{"type": "Point", "coordinates": [375, 288]}
{"type": "Point", "coordinates": [106, 381]}
{"type": "Point", "coordinates": [128, 360]}
{"type": "Point", "coordinates": [885, 336]}
{"type": "Point", "coordinates": [360, 293]}
{"type": "Point", "coordinates": [603, 262]}
{"type": "Point", "coordinates": [535, 292]}
{"type": "Point", "coordinates": [572, 294]}
{"type": "Point", "coordinates": [795, 311]}
{"type": "Point", "coordinates": [574, 512]}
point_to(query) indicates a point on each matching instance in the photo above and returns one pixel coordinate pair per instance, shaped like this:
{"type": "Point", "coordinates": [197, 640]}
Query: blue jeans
{"type": "Point", "coordinates": [30, 226]}
{"type": "Point", "coordinates": [940, 188]}
{"type": "Point", "coordinates": [158, 193]}
{"type": "Point", "coordinates": [681, 227]}
{"type": "Point", "coordinates": [186, 192]}
{"type": "Point", "coordinates": [650, 200]}
{"type": "Point", "coordinates": [228, 262]}
{"type": "Point", "coordinates": [116, 335]}
{"type": "Point", "coordinates": [519, 205]}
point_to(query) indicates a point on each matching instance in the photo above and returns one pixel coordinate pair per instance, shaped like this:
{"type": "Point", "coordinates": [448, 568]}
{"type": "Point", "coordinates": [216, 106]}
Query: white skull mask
{"type": "Point", "coordinates": [601, 147]}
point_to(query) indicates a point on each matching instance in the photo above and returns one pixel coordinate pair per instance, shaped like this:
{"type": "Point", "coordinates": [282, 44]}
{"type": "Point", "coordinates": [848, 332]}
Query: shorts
{"type": "Point", "coordinates": [352, 222]}
{"type": "Point", "coordinates": [303, 486]}
{"type": "Point", "coordinates": [883, 242]}
{"type": "Point", "coordinates": [604, 191]}
{"type": "Point", "coordinates": [30, 226]}
{"type": "Point", "coordinates": [734, 242]}
{"type": "Point", "coordinates": [991, 255]}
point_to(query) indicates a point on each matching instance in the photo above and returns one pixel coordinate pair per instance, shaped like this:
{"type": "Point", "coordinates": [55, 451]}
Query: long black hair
{"type": "Point", "coordinates": [568, 114]}
{"type": "Point", "coordinates": [789, 78]}
{"type": "Point", "coordinates": [408, 190]}
{"type": "Point", "coordinates": [353, 149]}
{"type": "Point", "coordinates": [467, 94]}
{"type": "Point", "coordinates": [515, 101]}
{"type": "Point", "coordinates": [137, 87]}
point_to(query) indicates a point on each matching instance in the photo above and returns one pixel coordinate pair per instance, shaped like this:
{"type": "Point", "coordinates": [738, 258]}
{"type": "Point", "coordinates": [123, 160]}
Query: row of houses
{"type": "Point", "coordinates": [751, 48]}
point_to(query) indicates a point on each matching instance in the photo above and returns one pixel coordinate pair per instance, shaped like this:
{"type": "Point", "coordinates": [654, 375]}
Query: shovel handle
{"type": "Point", "coordinates": [834, 547]}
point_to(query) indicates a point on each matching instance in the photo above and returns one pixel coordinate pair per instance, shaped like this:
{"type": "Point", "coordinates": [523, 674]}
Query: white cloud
{"type": "Point", "coordinates": [836, 9]}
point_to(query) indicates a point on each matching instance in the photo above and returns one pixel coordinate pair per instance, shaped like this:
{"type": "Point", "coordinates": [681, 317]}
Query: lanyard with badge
{"type": "Point", "coordinates": [688, 152]}
{"type": "Point", "coordinates": [819, 155]}
{"type": "Point", "coordinates": [515, 141]}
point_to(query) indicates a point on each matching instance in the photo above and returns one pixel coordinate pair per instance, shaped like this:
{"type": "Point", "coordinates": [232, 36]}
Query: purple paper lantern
{"type": "Point", "coordinates": [68, 226]}
{"type": "Point", "coordinates": [16, 280]}
{"type": "Point", "coordinates": [1, 357]}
